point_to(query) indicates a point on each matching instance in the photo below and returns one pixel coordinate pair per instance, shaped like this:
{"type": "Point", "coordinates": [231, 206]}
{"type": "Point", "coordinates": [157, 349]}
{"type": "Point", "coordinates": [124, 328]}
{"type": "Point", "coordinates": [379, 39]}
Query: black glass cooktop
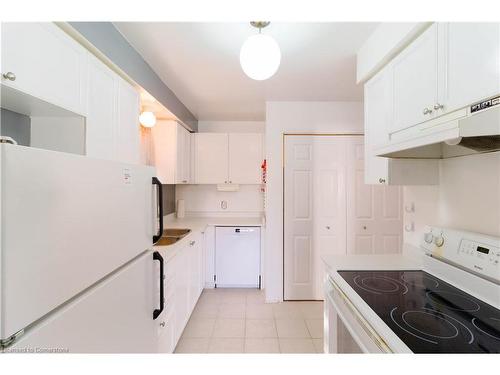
{"type": "Point", "coordinates": [428, 314]}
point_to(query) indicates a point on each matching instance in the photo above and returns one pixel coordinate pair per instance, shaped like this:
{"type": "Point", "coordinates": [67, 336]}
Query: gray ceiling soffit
{"type": "Point", "coordinates": [105, 37]}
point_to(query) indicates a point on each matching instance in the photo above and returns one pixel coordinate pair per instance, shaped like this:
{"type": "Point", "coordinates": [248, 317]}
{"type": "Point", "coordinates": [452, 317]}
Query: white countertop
{"type": "Point", "coordinates": [198, 225]}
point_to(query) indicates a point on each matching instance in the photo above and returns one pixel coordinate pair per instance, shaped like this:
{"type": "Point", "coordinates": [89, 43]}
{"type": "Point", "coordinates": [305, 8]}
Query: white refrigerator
{"type": "Point", "coordinates": [76, 270]}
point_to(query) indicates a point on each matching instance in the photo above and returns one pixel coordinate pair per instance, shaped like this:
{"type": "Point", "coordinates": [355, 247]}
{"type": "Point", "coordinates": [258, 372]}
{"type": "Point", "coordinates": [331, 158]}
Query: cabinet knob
{"type": "Point", "coordinates": [10, 76]}
{"type": "Point", "coordinates": [427, 111]}
{"type": "Point", "coordinates": [192, 243]}
{"type": "Point", "coordinates": [438, 106]}
{"type": "Point", "coordinates": [162, 324]}
{"type": "Point", "coordinates": [225, 182]}
{"type": "Point", "coordinates": [230, 182]}
{"type": "Point", "coordinates": [381, 180]}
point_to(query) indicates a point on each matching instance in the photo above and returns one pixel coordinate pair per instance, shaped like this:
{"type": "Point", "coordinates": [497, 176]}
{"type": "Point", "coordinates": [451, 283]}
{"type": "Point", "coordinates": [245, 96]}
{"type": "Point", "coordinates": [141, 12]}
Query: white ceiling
{"type": "Point", "coordinates": [200, 63]}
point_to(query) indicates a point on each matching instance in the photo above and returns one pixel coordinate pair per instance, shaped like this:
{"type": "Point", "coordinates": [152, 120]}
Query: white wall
{"type": "Point", "coordinates": [231, 126]}
{"type": "Point", "coordinates": [294, 117]}
{"type": "Point", "coordinates": [65, 134]}
{"type": "Point", "coordinates": [467, 198]}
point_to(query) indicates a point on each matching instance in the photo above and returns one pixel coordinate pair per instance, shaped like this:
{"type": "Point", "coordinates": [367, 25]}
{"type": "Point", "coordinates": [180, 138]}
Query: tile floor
{"type": "Point", "coordinates": [239, 321]}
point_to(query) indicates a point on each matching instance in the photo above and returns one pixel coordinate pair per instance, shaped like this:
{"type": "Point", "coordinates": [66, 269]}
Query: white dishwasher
{"type": "Point", "coordinates": [237, 257]}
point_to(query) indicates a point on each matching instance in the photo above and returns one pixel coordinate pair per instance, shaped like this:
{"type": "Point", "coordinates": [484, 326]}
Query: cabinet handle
{"type": "Point", "coordinates": [381, 180]}
{"type": "Point", "coordinates": [427, 111]}
{"type": "Point", "coordinates": [192, 243]}
{"type": "Point", "coordinates": [438, 106]}
{"type": "Point", "coordinates": [10, 76]}
{"type": "Point", "coordinates": [184, 181]}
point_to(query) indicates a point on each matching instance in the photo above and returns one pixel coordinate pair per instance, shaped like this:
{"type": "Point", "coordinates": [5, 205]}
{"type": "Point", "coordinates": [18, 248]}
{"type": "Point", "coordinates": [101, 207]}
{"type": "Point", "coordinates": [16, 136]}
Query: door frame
{"type": "Point", "coordinates": [283, 165]}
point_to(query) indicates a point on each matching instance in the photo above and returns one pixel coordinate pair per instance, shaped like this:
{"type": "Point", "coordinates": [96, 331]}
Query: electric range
{"type": "Point", "coordinates": [428, 314]}
{"type": "Point", "coordinates": [448, 303]}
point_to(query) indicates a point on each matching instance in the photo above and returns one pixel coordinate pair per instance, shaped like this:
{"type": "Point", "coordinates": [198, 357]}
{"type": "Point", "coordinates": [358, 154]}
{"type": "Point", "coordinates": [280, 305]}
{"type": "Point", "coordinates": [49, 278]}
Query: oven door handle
{"type": "Point", "coordinates": [379, 341]}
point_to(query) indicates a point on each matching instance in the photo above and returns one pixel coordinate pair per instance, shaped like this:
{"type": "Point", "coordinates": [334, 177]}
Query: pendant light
{"type": "Point", "coordinates": [260, 55]}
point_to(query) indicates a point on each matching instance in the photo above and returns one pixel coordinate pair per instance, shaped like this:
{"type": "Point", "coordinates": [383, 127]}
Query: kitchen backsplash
{"type": "Point", "coordinates": [206, 200]}
{"type": "Point", "coordinates": [168, 199]}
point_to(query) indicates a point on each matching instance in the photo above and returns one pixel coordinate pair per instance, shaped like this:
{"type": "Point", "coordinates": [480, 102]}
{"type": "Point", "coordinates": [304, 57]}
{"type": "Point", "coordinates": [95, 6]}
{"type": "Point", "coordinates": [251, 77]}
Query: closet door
{"type": "Point", "coordinates": [374, 212]}
{"type": "Point", "coordinates": [314, 211]}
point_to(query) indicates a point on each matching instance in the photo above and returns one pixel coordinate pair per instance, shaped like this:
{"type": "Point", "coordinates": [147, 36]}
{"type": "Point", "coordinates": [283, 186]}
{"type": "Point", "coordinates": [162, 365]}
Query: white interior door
{"type": "Point", "coordinates": [374, 214]}
{"type": "Point", "coordinates": [314, 211]}
{"type": "Point", "coordinates": [329, 209]}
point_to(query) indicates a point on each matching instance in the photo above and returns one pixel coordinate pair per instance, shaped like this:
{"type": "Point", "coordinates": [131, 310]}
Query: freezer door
{"type": "Point", "coordinates": [237, 257]}
{"type": "Point", "coordinates": [115, 316]}
{"type": "Point", "coordinates": [66, 222]}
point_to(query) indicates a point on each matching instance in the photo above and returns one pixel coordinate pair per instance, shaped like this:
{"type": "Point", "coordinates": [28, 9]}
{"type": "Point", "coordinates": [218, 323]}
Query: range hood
{"type": "Point", "coordinates": [471, 130]}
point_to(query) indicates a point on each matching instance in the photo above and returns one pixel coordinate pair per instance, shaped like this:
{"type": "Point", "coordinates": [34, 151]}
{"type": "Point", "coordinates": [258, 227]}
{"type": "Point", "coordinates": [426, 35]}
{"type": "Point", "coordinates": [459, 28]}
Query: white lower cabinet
{"type": "Point", "coordinates": [183, 285]}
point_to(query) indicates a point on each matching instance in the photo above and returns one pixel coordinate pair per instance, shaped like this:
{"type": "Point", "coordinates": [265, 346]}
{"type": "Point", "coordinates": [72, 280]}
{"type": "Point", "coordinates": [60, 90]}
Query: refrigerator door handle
{"type": "Point", "coordinates": [159, 209]}
{"type": "Point", "coordinates": [157, 312]}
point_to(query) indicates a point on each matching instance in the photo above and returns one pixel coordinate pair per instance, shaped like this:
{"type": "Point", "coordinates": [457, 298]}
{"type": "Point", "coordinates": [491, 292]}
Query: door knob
{"type": "Point", "coordinates": [10, 76]}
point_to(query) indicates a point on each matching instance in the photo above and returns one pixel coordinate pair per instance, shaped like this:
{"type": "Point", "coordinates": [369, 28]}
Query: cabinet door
{"type": "Point", "coordinates": [101, 111]}
{"type": "Point", "coordinates": [181, 291]}
{"type": "Point", "coordinates": [211, 158]}
{"type": "Point", "coordinates": [183, 155]}
{"type": "Point", "coordinates": [378, 116]}
{"type": "Point", "coordinates": [415, 81]}
{"type": "Point", "coordinates": [245, 158]}
{"type": "Point", "coordinates": [127, 124]}
{"type": "Point", "coordinates": [469, 63]}
{"type": "Point", "coordinates": [48, 64]}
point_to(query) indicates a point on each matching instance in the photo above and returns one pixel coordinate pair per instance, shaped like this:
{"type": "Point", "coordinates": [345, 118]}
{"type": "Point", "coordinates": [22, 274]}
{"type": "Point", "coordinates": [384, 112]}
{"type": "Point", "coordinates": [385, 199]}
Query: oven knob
{"type": "Point", "coordinates": [439, 241]}
{"type": "Point", "coordinates": [428, 237]}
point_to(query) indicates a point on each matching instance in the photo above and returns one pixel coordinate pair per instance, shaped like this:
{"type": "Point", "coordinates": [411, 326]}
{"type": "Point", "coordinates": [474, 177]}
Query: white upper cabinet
{"type": "Point", "coordinates": [101, 111]}
{"type": "Point", "coordinates": [172, 152]}
{"type": "Point", "coordinates": [44, 62]}
{"type": "Point", "coordinates": [415, 81]}
{"type": "Point", "coordinates": [112, 121]}
{"type": "Point", "coordinates": [127, 126]}
{"type": "Point", "coordinates": [377, 120]}
{"type": "Point", "coordinates": [469, 63]}
{"type": "Point", "coordinates": [183, 166]}
{"type": "Point", "coordinates": [378, 117]}
{"type": "Point", "coordinates": [222, 158]}
{"type": "Point", "coordinates": [211, 158]}
{"type": "Point", "coordinates": [447, 68]}
{"type": "Point", "coordinates": [245, 158]}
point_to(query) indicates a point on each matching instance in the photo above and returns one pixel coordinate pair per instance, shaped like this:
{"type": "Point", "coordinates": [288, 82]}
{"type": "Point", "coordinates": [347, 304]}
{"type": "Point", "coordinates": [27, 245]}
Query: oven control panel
{"type": "Point", "coordinates": [473, 251]}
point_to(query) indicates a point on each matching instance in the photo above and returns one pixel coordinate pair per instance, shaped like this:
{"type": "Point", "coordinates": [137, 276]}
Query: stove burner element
{"type": "Point", "coordinates": [380, 284]}
{"type": "Point", "coordinates": [453, 301]}
{"type": "Point", "coordinates": [432, 321]}
{"type": "Point", "coordinates": [415, 320]}
{"type": "Point", "coordinates": [491, 329]}
{"type": "Point", "coordinates": [417, 280]}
